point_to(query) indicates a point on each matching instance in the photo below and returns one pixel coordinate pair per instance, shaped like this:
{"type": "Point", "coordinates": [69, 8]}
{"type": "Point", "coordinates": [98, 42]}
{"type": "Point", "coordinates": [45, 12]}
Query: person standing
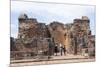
{"type": "Point", "coordinates": [56, 49]}
{"type": "Point", "coordinates": [61, 50]}
{"type": "Point", "coordinates": [64, 49]}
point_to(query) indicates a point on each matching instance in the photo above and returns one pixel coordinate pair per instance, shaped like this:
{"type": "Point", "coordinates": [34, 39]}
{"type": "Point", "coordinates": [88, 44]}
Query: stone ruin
{"type": "Point", "coordinates": [34, 36]}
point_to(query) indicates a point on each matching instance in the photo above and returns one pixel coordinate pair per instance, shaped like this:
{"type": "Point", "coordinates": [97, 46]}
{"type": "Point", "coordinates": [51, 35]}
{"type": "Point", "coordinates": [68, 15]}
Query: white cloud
{"type": "Point", "coordinates": [55, 9]}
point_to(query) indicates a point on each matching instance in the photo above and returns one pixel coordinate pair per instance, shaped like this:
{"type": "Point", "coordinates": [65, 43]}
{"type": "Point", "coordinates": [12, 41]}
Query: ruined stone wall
{"type": "Point", "coordinates": [80, 33]}
{"type": "Point", "coordinates": [31, 34]}
{"type": "Point", "coordinates": [29, 28]}
{"type": "Point", "coordinates": [59, 33]}
{"type": "Point", "coordinates": [35, 37]}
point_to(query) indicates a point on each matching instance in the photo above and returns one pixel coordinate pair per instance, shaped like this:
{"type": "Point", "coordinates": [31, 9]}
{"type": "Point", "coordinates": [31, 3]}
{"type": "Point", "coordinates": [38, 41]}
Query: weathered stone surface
{"type": "Point", "coordinates": [59, 33]}
{"type": "Point", "coordinates": [33, 36]}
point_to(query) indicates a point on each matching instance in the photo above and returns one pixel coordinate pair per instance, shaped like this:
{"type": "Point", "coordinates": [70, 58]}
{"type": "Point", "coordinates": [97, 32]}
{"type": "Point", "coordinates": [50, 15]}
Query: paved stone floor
{"type": "Point", "coordinates": [54, 60]}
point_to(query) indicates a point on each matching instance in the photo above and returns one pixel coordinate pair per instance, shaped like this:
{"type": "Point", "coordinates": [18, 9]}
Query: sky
{"type": "Point", "coordinates": [48, 12]}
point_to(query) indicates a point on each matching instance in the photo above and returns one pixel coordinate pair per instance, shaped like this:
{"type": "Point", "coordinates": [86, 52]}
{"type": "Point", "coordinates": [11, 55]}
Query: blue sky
{"type": "Point", "coordinates": [47, 13]}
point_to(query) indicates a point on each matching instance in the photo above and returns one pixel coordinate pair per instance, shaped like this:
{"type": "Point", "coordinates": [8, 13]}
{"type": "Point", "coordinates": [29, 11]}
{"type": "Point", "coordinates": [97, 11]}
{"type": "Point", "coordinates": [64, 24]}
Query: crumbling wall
{"type": "Point", "coordinates": [33, 36]}
{"type": "Point", "coordinates": [59, 33]}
